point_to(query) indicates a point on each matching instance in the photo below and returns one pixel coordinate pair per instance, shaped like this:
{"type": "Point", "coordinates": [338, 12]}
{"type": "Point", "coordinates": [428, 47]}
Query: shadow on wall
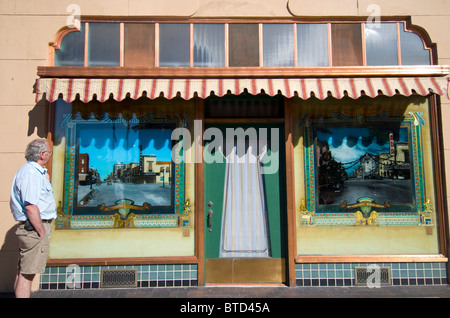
{"type": "Point", "coordinates": [9, 252]}
{"type": "Point", "coordinates": [9, 255]}
{"type": "Point", "coordinates": [38, 119]}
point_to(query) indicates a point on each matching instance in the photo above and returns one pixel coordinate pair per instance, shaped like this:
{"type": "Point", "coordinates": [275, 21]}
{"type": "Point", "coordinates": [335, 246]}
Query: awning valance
{"type": "Point", "coordinates": [103, 89]}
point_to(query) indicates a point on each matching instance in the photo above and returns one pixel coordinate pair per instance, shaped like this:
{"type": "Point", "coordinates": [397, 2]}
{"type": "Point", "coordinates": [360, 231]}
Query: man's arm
{"type": "Point", "coordinates": [35, 218]}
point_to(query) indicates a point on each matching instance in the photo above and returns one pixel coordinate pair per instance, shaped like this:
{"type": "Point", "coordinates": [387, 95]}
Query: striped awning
{"type": "Point", "coordinates": [103, 89]}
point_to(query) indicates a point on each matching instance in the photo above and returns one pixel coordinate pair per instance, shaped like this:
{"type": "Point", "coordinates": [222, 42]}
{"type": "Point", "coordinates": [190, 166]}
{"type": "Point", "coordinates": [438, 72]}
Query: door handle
{"type": "Point", "coordinates": [210, 213]}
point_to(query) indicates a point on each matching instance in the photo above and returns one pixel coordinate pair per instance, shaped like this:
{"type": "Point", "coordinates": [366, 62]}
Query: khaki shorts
{"type": "Point", "coordinates": [33, 249]}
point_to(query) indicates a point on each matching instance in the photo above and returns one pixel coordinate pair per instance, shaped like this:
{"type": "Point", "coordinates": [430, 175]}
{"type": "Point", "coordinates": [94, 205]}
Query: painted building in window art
{"type": "Point", "coordinates": [195, 143]}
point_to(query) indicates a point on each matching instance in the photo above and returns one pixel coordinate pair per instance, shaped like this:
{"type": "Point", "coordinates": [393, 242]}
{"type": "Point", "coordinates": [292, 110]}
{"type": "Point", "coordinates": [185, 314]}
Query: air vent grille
{"type": "Point", "coordinates": [118, 278]}
{"type": "Point", "coordinates": [372, 275]}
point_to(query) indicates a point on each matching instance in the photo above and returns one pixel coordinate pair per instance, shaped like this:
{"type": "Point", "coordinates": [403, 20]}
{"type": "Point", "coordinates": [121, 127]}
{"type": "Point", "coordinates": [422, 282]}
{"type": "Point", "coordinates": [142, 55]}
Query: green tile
{"type": "Point", "coordinates": [53, 278]}
{"type": "Point", "coordinates": [96, 277]}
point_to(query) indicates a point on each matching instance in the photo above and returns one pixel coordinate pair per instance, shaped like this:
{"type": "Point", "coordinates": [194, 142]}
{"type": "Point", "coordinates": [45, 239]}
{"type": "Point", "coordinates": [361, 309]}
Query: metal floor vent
{"type": "Point", "coordinates": [372, 275]}
{"type": "Point", "coordinates": [118, 278]}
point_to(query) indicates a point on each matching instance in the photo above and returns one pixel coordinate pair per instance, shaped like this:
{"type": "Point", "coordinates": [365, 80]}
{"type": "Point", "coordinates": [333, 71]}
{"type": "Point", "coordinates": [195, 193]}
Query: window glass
{"type": "Point", "coordinates": [366, 160]}
{"type": "Point", "coordinates": [209, 45]}
{"type": "Point", "coordinates": [278, 45]}
{"type": "Point", "coordinates": [244, 105]}
{"type": "Point", "coordinates": [363, 177]}
{"type": "Point", "coordinates": [174, 44]}
{"type": "Point", "coordinates": [139, 44]}
{"type": "Point", "coordinates": [121, 162]}
{"type": "Point", "coordinates": [244, 44]}
{"type": "Point", "coordinates": [346, 44]}
{"type": "Point", "coordinates": [381, 44]}
{"type": "Point", "coordinates": [71, 52]}
{"type": "Point", "coordinates": [119, 158]}
{"type": "Point", "coordinates": [312, 44]}
{"type": "Point", "coordinates": [119, 168]}
{"type": "Point", "coordinates": [104, 44]}
{"type": "Point", "coordinates": [412, 47]}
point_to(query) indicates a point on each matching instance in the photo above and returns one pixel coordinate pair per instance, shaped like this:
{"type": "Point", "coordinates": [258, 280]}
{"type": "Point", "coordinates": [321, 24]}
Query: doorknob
{"type": "Point", "coordinates": [210, 213]}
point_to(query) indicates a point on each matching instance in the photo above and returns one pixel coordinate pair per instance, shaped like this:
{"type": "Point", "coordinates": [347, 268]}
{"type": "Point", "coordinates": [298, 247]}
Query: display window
{"type": "Point", "coordinates": [366, 176]}
{"type": "Point", "coordinates": [118, 164]}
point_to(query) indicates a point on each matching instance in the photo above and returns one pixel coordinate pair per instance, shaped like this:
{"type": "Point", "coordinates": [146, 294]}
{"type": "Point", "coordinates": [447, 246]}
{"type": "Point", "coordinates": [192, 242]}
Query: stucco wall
{"type": "Point", "coordinates": [28, 26]}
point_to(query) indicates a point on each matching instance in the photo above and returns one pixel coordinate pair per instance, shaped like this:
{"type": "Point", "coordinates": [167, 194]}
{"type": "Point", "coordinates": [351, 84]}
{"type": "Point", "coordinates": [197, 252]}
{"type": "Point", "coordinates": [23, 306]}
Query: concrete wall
{"type": "Point", "coordinates": [26, 28]}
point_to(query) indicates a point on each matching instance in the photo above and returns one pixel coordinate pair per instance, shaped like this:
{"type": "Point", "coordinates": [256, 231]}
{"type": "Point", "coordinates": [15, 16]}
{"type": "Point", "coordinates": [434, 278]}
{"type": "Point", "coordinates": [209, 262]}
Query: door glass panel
{"type": "Point", "coordinates": [244, 191]}
{"type": "Point", "coordinates": [244, 223]}
{"type": "Point", "coordinates": [252, 106]}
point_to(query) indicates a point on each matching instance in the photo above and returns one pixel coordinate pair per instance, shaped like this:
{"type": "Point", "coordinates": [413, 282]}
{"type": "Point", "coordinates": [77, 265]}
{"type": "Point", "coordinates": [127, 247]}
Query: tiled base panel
{"type": "Point", "coordinates": [89, 277]}
{"type": "Point", "coordinates": [343, 274]}
{"type": "Point", "coordinates": [185, 275]}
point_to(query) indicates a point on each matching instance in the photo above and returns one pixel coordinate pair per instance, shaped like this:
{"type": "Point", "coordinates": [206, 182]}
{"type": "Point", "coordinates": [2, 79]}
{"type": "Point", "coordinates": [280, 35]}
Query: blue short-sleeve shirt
{"type": "Point", "coordinates": [31, 186]}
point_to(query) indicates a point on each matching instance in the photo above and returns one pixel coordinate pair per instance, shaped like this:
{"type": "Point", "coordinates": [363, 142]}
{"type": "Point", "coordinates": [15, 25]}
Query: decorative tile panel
{"type": "Point", "coordinates": [88, 277]}
{"type": "Point", "coordinates": [343, 274]}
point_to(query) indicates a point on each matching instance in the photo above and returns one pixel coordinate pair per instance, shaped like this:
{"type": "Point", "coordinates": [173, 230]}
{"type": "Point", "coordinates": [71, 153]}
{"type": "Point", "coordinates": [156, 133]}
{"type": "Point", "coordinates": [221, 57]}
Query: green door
{"type": "Point", "coordinates": [262, 260]}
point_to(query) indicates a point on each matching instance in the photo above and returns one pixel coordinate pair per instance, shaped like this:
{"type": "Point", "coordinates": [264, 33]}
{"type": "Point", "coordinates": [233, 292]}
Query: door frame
{"type": "Point", "coordinates": [200, 182]}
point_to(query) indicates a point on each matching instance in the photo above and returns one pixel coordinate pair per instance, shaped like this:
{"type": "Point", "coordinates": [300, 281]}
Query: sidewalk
{"type": "Point", "coordinates": [441, 291]}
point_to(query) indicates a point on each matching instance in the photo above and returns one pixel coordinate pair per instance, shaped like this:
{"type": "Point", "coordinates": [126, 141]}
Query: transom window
{"type": "Point", "coordinates": [150, 45]}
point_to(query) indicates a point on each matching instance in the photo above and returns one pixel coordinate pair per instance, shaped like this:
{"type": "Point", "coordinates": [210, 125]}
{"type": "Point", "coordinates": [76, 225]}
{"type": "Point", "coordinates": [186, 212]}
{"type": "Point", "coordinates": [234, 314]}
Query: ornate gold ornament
{"type": "Point", "coordinates": [426, 216]}
{"type": "Point", "coordinates": [123, 218]}
{"type": "Point", "coordinates": [185, 223]}
{"type": "Point", "coordinates": [365, 215]}
{"type": "Point", "coordinates": [306, 217]}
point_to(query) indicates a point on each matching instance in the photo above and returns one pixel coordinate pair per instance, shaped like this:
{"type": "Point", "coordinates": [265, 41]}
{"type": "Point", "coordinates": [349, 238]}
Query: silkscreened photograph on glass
{"type": "Point", "coordinates": [124, 162]}
{"type": "Point", "coordinates": [355, 162]}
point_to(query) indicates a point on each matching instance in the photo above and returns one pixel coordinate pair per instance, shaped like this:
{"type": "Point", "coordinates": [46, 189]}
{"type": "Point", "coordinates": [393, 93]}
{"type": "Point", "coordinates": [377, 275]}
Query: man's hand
{"type": "Point", "coordinates": [34, 216]}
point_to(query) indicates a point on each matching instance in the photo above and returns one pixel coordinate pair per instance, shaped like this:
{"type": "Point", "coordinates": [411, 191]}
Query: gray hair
{"type": "Point", "coordinates": [35, 148]}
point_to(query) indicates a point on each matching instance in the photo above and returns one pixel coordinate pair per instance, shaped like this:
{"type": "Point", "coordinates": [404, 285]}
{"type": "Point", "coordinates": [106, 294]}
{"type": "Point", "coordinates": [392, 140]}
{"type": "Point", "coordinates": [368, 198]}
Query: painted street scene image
{"type": "Point", "coordinates": [355, 162]}
{"type": "Point", "coordinates": [124, 164]}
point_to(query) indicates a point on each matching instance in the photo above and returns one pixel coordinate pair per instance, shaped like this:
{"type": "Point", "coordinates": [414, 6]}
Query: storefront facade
{"type": "Point", "coordinates": [267, 147]}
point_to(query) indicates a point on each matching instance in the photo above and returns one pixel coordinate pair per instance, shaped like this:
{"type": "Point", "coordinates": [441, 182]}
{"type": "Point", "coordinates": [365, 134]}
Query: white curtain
{"type": "Point", "coordinates": [244, 217]}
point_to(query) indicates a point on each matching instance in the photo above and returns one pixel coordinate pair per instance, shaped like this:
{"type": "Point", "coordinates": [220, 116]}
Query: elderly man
{"type": "Point", "coordinates": [32, 204]}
